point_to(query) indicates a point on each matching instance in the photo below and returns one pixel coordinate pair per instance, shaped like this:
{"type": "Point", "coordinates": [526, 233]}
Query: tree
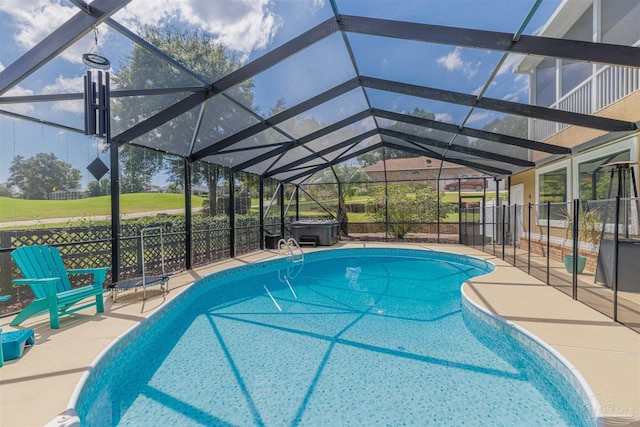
{"type": "Point", "coordinates": [377, 156]}
{"type": "Point", "coordinates": [41, 174]}
{"type": "Point", "coordinates": [407, 207]}
{"type": "Point", "coordinates": [206, 57]}
{"type": "Point", "coordinates": [99, 188]}
{"type": "Point", "coordinates": [348, 177]}
{"type": "Point", "coordinates": [508, 125]}
{"type": "Point", "coordinates": [138, 165]}
{"type": "Point", "coordinates": [5, 191]}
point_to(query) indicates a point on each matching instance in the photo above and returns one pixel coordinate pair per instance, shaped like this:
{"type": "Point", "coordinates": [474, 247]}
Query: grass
{"type": "Point", "coordinates": [24, 210]}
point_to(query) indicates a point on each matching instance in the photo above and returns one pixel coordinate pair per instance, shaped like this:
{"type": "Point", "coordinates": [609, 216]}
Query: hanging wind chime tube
{"type": "Point", "coordinates": [97, 111]}
{"type": "Point", "coordinates": [96, 105]}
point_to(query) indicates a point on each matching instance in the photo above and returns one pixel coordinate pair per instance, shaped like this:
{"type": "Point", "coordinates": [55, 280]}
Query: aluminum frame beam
{"type": "Point", "coordinates": [474, 133]}
{"type": "Point", "coordinates": [312, 136]}
{"type": "Point", "coordinates": [603, 53]}
{"type": "Point", "coordinates": [334, 162]}
{"type": "Point", "coordinates": [113, 94]}
{"type": "Point", "coordinates": [458, 148]}
{"type": "Point", "coordinates": [507, 107]}
{"type": "Point", "coordinates": [276, 119]}
{"type": "Point", "coordinates": [248, 71]}
{"type": "Point", "coordinates": [63, 37]}
{"type": "Point", "coordinates": [328, 150]}
{"type": "Point", "coordinates": [41, 122]}
{"type": "Point", "coordinates": [429, 153]}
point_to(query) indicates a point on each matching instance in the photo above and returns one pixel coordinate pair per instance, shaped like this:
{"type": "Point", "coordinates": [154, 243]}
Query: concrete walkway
{"type": "Point", "coordinates": [37, 387]}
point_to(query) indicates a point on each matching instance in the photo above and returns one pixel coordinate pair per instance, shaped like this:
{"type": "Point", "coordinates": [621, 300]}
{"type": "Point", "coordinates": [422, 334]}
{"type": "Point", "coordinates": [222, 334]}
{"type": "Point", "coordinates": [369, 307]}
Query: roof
{"type": "Point", "coordinates": [335, 81]}
{"type": "Point", "coordinates": [565, 16]}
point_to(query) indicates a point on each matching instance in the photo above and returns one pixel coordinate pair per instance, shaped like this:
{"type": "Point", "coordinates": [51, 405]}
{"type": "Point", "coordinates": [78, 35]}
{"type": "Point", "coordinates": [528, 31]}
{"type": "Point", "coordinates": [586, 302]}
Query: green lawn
{"type": "Point", "coordinates": [24, 210]}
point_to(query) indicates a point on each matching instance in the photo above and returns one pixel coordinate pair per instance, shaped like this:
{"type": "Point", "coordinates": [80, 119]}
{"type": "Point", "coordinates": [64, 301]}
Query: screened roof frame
{"type": "Point", "coordinates": [100, 11]}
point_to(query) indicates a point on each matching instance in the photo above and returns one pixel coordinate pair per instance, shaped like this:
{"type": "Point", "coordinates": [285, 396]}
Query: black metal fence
{"type": "Point", "coordinates": [87, 247]}
{"type": "Point", "coordinates": [590, 250]}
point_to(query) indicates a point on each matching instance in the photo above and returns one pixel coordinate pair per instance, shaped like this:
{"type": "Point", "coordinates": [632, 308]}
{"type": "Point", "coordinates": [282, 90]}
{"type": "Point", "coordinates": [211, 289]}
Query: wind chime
{"type": "Point", "coordinates": [97, 111]}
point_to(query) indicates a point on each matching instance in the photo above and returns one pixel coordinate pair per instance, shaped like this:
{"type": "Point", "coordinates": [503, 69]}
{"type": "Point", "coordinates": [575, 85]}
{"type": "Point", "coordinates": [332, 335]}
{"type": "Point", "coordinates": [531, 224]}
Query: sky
{"type": "Point", "coordinates": [249, 29]}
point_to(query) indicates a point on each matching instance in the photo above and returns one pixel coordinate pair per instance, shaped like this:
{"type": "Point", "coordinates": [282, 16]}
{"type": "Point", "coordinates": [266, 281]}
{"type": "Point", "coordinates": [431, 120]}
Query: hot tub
{"type": "Point", "coordinates": [323, 233]}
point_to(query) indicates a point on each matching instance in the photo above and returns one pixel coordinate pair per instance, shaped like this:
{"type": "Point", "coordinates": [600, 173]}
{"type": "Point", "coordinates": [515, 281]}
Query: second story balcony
{"type": "Point", "coordinates": [605, 87]}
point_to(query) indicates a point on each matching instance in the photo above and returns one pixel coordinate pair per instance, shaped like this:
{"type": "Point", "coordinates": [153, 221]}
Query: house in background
{"type": "Point", "coordinates": [70, 194]}
{"type": "Point", "coordinates": [423, 170]}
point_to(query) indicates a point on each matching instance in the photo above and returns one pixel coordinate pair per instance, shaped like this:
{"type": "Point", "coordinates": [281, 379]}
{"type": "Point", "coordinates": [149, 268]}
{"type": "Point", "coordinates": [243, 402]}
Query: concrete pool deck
{"type": "Point", "coordinates": [37, 387]}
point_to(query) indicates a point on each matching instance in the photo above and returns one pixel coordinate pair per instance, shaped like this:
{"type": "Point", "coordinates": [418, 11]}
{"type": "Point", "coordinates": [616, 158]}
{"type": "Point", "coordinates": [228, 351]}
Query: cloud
{"type": "Point", "coordinates": [510, 63]}
{"type": "Point", "coordinates": [479, 117]}
{"type": "Point", "coordinates": [479, 88]}
{"type": "Point", "coordinates": [65, 85]}
{"type": "Point", "coordinates": [243, 26]}
{"type": "Point", "coordinates": [444, 117]}
{"type": "Point", "coordinates": [36, 19]}
{"type": "Point", "coordinates": [515, 96]}
{"type": "Point", "coordinates": [453, 62]}
{"type": "Point", "coordinates": [17, 91]}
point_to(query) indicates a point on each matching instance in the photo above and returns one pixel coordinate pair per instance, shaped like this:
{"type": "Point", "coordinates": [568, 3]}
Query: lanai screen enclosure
{"type": "Point", "coordinates": [258, 113]}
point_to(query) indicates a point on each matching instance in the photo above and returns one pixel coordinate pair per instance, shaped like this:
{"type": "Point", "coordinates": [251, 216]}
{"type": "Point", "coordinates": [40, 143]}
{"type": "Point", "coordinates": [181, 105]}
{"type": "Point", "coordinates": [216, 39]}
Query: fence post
{"type": "Point", "coordinates": [504, 229]}
{"type": "Point", "coordinates": [232, 214]}
{"type": "Point", "coordinates": [5, 263]}
{"type": "Point", "coordinates": [438, 210]}
{"type": "Point", "coordinates": [513, 231]}
{"type": "Point", "coordinates": [261, 205]}
{"type": "Point", "coordinates": [495, 226]}
{"type": "Point", "coordinates": [207, 242]}
{"type": "Point", "coordinates": [281, 203]}
{"type": "Point", "coordinates": [615, 260]}
{"type": "Point", "coordinates": [529, 241]}
{"type": "Point", "coordinates": [139, 253]}
{"type": "Point", "coordinates": [576, 213]}
{"type": "Point", "coordinates": [548, 238]}
{"type": "Point", "coordinates": [188, 223]}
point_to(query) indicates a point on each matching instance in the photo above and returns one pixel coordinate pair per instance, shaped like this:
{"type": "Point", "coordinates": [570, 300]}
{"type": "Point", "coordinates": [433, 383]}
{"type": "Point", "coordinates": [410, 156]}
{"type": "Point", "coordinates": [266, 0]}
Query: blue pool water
{"type": "Point", "coordinates": [363, 338]}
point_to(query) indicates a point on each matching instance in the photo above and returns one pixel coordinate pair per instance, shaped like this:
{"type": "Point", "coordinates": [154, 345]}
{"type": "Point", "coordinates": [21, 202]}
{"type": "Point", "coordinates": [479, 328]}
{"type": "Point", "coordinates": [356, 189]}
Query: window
{"type": "Point", "coordinates": [593, 178]}
{"type": "Point", "coordinates": [552, 187]}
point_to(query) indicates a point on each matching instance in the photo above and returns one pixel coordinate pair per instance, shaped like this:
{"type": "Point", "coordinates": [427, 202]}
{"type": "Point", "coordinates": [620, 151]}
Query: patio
{"type": "Point", "coordinates": [464, 117]}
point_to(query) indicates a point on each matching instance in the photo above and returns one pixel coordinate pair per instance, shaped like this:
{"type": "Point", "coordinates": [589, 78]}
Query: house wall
{"type": "Point", "coordinates": [627, 109]}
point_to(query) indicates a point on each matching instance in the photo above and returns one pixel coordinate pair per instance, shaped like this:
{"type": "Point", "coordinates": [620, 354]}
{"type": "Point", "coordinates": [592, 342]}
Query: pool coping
{"type": "Point", "coordinates": [563, 366]}
{"type": "Point", "coordinates": [606, 353]}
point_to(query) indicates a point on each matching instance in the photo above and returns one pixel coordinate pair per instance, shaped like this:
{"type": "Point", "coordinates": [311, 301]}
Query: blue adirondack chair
{"type": "Point", "coordinates": [44, 272]}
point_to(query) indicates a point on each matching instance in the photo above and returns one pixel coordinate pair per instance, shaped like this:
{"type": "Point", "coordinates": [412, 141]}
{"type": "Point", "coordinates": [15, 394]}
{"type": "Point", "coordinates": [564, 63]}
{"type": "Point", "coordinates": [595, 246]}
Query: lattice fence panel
{"type": "Point", "coordinates": [210, 245]}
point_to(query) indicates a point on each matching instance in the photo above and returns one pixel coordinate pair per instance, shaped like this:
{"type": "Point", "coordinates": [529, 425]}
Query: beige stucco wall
{"type": "Point", "coordinates": [627, 109]}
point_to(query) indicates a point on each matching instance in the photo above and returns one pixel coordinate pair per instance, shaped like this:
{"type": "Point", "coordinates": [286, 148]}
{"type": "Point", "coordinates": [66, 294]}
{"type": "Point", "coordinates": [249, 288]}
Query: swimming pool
{"type": "Point", "coordinates": [349, 337]}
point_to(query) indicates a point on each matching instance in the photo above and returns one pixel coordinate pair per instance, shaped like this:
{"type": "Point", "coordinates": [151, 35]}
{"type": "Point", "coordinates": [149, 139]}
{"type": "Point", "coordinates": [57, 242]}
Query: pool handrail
{"type": "Point", "coordinates": [287, 244]}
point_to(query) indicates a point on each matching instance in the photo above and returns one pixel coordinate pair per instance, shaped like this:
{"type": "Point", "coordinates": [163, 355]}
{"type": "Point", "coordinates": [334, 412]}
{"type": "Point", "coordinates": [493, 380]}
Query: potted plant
{"type": "Point", "coordinates": [589, 227]}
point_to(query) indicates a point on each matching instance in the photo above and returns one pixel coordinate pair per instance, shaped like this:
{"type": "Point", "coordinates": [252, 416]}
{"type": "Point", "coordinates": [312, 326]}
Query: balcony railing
{"type": "Point", "coordinates": [609, 85]}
